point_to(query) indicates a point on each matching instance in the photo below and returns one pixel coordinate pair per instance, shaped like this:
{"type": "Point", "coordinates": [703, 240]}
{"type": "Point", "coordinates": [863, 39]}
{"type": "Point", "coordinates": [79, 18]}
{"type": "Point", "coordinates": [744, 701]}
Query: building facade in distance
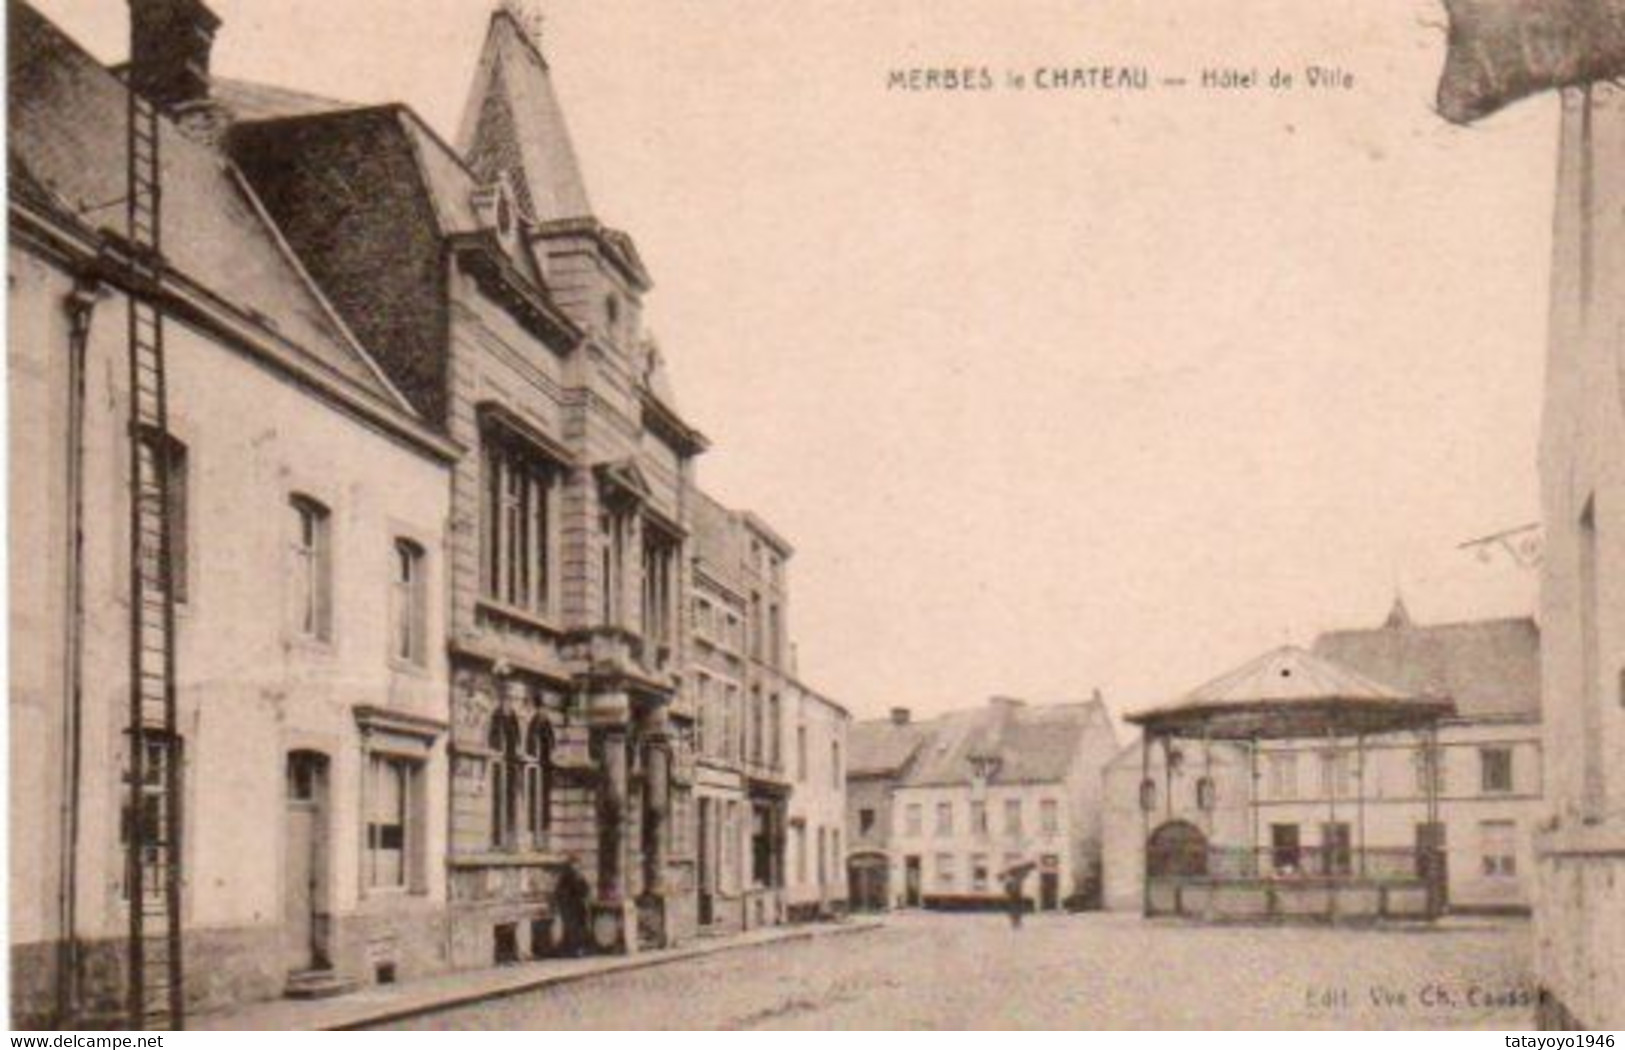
{"type": "Point", "coordinates": [740, 688]}
{"type": "Point", "coordinates": [815, 853]}
{"type": "Point", "coordinates": [1491, 763]}
{"type": "Point", "coordinates": [996, 787]}
{"type": "Point", "coordinates": [880, 754]}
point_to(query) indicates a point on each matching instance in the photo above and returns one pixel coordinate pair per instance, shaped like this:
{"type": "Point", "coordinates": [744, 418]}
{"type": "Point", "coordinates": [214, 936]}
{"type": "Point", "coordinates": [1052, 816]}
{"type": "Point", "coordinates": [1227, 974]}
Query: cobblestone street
{"type": "Point", "coordinates": [1095, 971]}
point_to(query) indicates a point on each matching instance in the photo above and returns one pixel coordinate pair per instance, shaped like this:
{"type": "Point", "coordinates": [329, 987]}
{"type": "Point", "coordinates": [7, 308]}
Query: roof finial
{"type": "Point", "coordinates": [527, 15]}
{"type": "Point", "coordinates": [1399, 616]}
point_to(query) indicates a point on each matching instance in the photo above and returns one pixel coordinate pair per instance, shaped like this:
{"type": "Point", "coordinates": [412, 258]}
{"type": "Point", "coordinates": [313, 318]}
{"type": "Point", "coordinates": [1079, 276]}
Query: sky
{"type": "Point", "coordinates": [1052, 390]}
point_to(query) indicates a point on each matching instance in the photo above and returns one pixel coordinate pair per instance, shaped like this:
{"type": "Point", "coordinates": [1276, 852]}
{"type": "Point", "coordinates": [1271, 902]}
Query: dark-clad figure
{"type": "Point", "coordinates": [1014, 900]}
{"type": "Point", "coordinates": [570, 900]}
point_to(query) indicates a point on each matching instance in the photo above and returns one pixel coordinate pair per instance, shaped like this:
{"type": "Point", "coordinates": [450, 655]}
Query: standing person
{"type": "Point", "coordinates": [1014, 899]}
{"type": "Point", "coordinates": [570, 900]}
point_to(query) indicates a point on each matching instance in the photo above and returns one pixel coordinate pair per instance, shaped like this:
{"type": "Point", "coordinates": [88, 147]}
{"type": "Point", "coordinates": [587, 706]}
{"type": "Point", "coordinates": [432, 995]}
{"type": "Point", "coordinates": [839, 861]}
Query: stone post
{"type": "Point", "coordinates": [614, 919]}
{"type": "Point", "coordinates": [611, 814]}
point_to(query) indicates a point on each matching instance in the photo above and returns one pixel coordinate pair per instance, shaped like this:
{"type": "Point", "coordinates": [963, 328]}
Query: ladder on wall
{"type": "Point", "coordinates": [152, 828]}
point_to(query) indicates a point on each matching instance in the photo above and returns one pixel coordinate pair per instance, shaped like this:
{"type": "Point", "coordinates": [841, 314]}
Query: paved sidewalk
{"type": "Point", "coordinates": [377, 1004]}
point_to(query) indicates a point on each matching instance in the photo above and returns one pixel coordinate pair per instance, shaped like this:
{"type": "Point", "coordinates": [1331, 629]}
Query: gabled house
{"type": "Point", "coordinates": [990, 789]}
{"type": "Point", "coordinates": [880, 752]}
{"type": "Point", "coordinates": [307, 505]}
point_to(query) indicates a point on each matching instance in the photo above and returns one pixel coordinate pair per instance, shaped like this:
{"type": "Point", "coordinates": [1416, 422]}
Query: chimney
{"type": "Point", "coordinates": [899, 716]}
{"type": "Point", "coordinates": [170, 41]}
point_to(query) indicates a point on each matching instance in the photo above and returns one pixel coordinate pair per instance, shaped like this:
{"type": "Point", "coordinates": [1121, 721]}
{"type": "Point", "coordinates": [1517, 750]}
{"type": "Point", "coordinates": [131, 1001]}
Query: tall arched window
{"type": "Point", "coordinates": [539, 780]}
{"type": "Point", "coordinates": [507, 778]}
{"type": "Point", "coordinates": [312, 569]}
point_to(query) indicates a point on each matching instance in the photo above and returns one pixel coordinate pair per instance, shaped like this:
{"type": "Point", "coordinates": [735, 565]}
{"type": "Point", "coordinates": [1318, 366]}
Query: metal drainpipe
{"type": "Point", "coordinates": [80, 306]}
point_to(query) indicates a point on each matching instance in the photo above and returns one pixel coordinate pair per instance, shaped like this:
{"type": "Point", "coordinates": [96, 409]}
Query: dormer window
{"type": "Point", "coordinates": [494, 208]}
{"type": "Point", "coordinates": [504, 217]}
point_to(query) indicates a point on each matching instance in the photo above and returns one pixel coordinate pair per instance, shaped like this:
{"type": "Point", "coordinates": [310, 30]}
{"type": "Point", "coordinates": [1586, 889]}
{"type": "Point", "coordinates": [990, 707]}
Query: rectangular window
{"type": "Point", "coordinates": [312, 569]}
{"type": "Point", "coordinates": [732, 718]}
{"type": "Point", "coordinates": [823, 856]}
{"type": "Point", "coordinates": [801, 754]}
{"type": "Point", "coordinates": [978, 872]}
{"type": "Point", "coordinates": [756, 632]}
{"type": "Point", "coordinates": [945, 819]}
{"type": "Point", "coordinates": [756, 721]}
{"type": "Point", "coordinates": [1425, 762]}
{"type": "Point", "coordinates": [148, 818]}
{"type": "Point", "coordinates": [1285, 851]}
{"type": "Point", "coordinates": [154, 446]}
{"type": "Point", "coordinates": [775, 646]}
{"type": "Point", "coordinates": [408, 604]}
{"type": "Point", "coordinates": [837, 775]}
{"type": "Point", "coordinates": [660, 560]}
{"type": "Point", "coordinates": [1336, 853]}
{"type": "Point", "coordinates": [1498, 848]}
{"type": "Point", "coordinates": [801, 854]}
{"type": "Point", "coordinates": [1336, 775]}
{"type": "Point", "coordinates": [761, 847]}
{"type": "Point", "coordinates": [945, 871]}
{"type": "Point", "coordinates": [1283, 776]}
{"type": "Point", "coordinates": [1049, 816]}
{"type": "Point", "coordinates": [912, 819]}
{"type": "Point", "coordinates": [1012, 816]}
{"type": "Point", "coordinates": [704, 718]}
{"type": "Point", "coordinates": [614, 530]}
{"type": "Point", "coordinates": [389, 795]}
{"type": "Point", "coordinates": [866, 821]}
{"type": "Point", "coordinates": [517, 505]}
{"type": "Point", "coordinates": [1495, 770]}
{"type": "Point", "coordinates": [978, 817]}
{"type": "Point", "coordinates": [775, 732]}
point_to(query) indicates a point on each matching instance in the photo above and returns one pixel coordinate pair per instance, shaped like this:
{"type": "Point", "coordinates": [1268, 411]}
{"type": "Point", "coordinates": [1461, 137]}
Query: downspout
{"type": "Point", "coordinates": [80, 306]}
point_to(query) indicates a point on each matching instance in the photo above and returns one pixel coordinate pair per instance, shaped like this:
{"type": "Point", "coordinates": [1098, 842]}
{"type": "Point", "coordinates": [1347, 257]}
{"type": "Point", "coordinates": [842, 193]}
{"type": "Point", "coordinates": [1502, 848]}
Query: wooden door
{"type": "Point", "coordinates": [302, 860]}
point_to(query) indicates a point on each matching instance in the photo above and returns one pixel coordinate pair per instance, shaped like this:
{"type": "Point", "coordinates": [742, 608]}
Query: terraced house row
{"type": "Point", "coordinates": [358, 434]}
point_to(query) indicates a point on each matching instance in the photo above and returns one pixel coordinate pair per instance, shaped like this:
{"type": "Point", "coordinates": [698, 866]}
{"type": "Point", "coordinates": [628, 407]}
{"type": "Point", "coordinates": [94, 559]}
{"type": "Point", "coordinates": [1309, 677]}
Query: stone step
{"type": "Point", "coordinates": [316, 984]}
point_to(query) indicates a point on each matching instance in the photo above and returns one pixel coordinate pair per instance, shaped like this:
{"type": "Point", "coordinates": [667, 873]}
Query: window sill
{"type": "Point", "coordinates": [503, 611]}
{"type": "Point", "coordinates": [505, 859]}
{"type": "Point", "coordinates": [312, 646]}
{"type": "Point", "coordinates": [409, 668]}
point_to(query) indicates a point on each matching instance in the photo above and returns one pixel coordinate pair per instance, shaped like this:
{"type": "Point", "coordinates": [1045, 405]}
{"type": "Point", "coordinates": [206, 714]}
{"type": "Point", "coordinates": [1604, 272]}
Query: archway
{"type": "Point", "coordinates": [1177, 848]}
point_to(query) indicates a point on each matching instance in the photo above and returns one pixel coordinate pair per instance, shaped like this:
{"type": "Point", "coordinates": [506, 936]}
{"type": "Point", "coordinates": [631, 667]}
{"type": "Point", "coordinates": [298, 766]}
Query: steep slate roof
{"type": "Point", "coordinates": [66, 116]}
{"type": "Point", "coordinates": [1491, 668]}
{"type": "Point", "coordinates": [1031, 744]}
{"type": "Point", "coordinates": [246, 100]}
{"type": "Point", "coordinates": [513, 123]}
{"type": "Point", "coordinates": [881, 747]}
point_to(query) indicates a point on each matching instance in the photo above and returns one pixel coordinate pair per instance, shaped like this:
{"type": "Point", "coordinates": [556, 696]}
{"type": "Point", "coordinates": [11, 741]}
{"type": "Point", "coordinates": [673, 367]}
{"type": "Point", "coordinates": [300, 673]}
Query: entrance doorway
{"type": "Point", "coordinates": [1049, 890]}
{"type": "Point", "coordinates": [1433, 865]}
{"type": "Point", "coordinates": [1177, 848]}
{"type": "Point", "coordinates": [866, 884]}
{"type": "Point", "coordinates": [304, 853]}
{"type": "Point", "coordinates": [911, 882]}
{"type": "Point", "coordinates": [707, 872]}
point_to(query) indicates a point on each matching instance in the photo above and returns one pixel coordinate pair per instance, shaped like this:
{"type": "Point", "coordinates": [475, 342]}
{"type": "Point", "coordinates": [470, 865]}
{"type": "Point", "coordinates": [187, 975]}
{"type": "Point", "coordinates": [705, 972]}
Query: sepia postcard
{"type": "Point", "coordinates": [1192, 437]}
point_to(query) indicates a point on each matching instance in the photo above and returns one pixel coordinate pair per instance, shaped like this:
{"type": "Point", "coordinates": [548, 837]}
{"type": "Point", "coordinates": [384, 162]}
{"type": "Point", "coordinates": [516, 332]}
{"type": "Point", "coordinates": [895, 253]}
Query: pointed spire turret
{"type": "Point", "coordinates": [1399, 617]}
{"type": "Point", "coordinates": [513, 124]}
